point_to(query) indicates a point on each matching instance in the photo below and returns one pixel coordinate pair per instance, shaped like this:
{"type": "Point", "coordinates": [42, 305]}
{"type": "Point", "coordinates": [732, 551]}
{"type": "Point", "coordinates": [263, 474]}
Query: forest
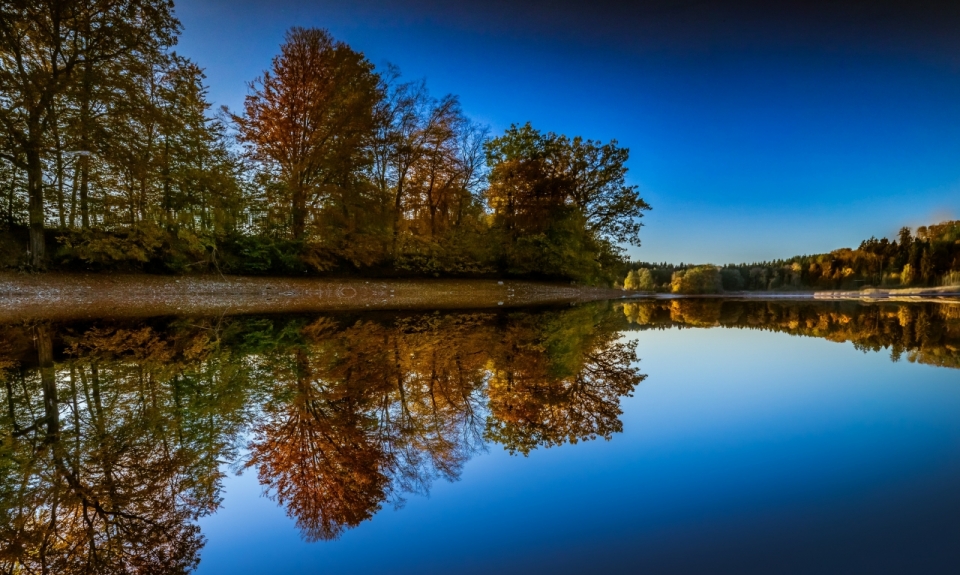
{"type": "Point", "coordinates": [929, 256]}
{"type": "Point", "coordinates": [113, 159]}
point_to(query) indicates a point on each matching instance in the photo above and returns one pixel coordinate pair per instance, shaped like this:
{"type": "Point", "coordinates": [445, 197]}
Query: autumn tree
{"type": "Point", "coordinates": [548, 389]}
{"type": "Point", "coordinates": [309, 122]}
{"type": "Point", "coordinates": [697, 280]}
{"type": "Point", "coordinates": [428, 167]}
{"type": "Point", "coordinates": [645, 281]}
{"type": "Point", "coordinates": [43, 43]}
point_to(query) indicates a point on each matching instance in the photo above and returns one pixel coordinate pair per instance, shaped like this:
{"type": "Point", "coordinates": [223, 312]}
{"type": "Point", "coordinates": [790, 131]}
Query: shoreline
{"type": "Point", "coordinates": [60, 297]}
{"type": "Point", "coordinates": [86, 296]}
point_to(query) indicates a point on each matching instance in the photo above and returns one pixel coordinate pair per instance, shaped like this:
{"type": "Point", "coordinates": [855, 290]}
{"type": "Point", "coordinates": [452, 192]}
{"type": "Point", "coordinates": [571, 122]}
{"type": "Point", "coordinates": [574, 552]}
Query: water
{"type": "Point", "coordinates": [668, 437]}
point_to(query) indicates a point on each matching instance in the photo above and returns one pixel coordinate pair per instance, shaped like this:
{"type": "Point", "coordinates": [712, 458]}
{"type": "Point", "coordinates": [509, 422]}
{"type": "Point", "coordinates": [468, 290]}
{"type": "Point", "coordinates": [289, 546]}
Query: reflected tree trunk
{"type": "Point", "coordinates": [48, 381]}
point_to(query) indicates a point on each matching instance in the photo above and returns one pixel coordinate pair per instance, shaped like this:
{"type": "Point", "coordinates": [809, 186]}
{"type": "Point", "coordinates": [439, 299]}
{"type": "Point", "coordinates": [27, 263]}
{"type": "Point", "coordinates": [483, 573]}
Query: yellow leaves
{"type": "Point", "coordinates": [905, 316]}
{"type": "Point", "coordinates": [138, 244]}
{"type": "Point", "coordinates": [197, 347]}
{"type": "Point", "coordinates": [323, 327]}
{"type": "Point", "coordinates": [698, 280]}
{"type": "Point", "coordinates": [141, 343]}
{"type": "Point", "coordinates": [695, 312]}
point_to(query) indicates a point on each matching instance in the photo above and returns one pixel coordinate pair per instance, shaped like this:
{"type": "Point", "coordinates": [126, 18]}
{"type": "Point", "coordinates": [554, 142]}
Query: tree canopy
{"type": "Point", "coordinates": [108, 139]}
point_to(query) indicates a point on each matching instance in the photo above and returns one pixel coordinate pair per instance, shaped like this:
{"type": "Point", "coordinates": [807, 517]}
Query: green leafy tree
{"type": "Point", "coordinates": [538, 180]}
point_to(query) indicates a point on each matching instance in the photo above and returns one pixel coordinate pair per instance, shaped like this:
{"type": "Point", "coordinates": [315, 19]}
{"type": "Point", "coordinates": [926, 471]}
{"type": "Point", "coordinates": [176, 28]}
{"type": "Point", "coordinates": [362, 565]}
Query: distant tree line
{"type": "Point", "coordinates": [111, 158]}
{"type": "Point", "coordinates": [925, 258]}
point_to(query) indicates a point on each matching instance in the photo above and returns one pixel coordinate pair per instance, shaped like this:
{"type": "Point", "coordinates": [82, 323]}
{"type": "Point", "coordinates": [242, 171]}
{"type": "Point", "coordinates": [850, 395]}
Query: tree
{"type": "Point", "coordinates": [596, 174]}
{"type": "Point", "coordinates": [531, 170]}
{"type": "Point", "coordinates": [632, 281]}
{"type": "Point", "coordinates": [428, 167]}
{"type": "Point", "coordinates": [526, 188]}
{"type": "Point", "coordinates": [562, 199]}
{"type": "Point", "coordinates": [697, 280]}
{"type": "Point", "coordinates": [42, 44]}
{"type": "Point", "coordinates": [309, 123]}
{"type": "Point", "coordinates": [645, 280]}
{"type": "Point", "coordinates": [908, 275]}
{"type": "Point", "coordinates": [731, 279]}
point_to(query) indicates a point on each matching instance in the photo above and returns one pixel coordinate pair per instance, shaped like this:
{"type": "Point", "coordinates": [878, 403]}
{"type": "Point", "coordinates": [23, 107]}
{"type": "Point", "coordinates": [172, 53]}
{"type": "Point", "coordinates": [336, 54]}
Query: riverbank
{"type": "Point", "coordinates": [79, 296]}
{"type": "Point", "coordinates": [932, 294]}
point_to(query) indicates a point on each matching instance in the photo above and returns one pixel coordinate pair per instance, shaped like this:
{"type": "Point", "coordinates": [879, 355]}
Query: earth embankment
{"type": "Point", "coordinates": [66, 296]}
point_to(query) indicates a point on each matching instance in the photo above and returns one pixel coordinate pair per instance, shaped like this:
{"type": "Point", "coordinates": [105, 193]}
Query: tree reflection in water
{"type": "Point", "coordinates": [923, 332]}
{"type": "Point", "coordinates": [115, 436]}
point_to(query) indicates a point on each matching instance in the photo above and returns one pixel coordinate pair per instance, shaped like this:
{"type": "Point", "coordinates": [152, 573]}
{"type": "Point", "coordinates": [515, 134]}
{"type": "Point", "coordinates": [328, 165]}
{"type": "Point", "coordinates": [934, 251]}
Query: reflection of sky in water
{"type": "Point", "coordinates": [743, 452]}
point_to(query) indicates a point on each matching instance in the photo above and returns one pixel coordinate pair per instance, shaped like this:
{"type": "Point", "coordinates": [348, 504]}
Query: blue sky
{"type": "Point", "coordinates": [755, 132]}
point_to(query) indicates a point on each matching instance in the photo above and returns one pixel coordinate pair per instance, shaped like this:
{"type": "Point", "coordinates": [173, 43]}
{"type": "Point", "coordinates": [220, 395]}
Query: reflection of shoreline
{"type": "Point", "coordinates": [912, 295]}
{"type": "Point", "coordinates": [67, 296]}
{"type": "Point", "coordinates": [926, 332]}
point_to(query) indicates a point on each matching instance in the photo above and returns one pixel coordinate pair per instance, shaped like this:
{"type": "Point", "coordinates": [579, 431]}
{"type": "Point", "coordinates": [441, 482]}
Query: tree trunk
{"type": "Point", "coordinates": [61, 200]}
{"type": "Point", "coordinates": [48, 380]}
{"type": "Point", "coordinates": [397, 213]}
{"type": "Point", "coordinates": [84, 206]}
{"type": "Point", "coordinates": [165, 175]}
{"type": "Point", "coordinates": [73, 193]}
{"type": "Point", "coordinates": [84, 141]}
{"type": "Point", "coordinates": [13, 189]}
{"type": "Point", "coordinates": [299, 214]}
{"type": "Point", "coordinates": [35, 193]}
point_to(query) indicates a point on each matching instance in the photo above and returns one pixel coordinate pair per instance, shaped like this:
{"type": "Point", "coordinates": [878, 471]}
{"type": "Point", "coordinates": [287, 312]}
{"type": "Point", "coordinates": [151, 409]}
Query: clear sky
{"type": "Point", "coordinates": [757, 130]}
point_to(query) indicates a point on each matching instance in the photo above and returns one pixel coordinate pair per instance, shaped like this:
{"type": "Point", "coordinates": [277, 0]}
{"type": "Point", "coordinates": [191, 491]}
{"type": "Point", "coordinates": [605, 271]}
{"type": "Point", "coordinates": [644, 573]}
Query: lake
{"type": "Point", "coordinates": [660, 436]}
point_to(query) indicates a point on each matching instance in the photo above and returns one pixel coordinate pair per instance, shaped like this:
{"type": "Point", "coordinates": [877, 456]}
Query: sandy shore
{"type": "Point", "coordinates": [68, 296]}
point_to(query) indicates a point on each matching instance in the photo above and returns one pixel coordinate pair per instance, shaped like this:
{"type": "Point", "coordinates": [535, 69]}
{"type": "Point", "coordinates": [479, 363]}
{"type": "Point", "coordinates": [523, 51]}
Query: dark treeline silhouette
{"type": "Point", "coordinates": [111, 158]}
{"type": "Point", "coordinates": [923, 332]}
{"type": "Point", "coordinates": [928, 257]}
{"type": "Point", "coordinates": [114, 436]}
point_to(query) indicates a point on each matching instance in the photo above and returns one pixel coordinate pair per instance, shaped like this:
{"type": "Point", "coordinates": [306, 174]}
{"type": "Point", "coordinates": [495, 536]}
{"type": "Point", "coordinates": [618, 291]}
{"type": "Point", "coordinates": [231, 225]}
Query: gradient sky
{"type": "Point", "coordinates": [757, 130]}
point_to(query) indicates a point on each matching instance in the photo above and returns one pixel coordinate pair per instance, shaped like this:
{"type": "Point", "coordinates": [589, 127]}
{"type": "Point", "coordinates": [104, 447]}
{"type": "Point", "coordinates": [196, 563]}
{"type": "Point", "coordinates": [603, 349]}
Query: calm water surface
{"type": "Point", "coordinates": [695, 436]}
